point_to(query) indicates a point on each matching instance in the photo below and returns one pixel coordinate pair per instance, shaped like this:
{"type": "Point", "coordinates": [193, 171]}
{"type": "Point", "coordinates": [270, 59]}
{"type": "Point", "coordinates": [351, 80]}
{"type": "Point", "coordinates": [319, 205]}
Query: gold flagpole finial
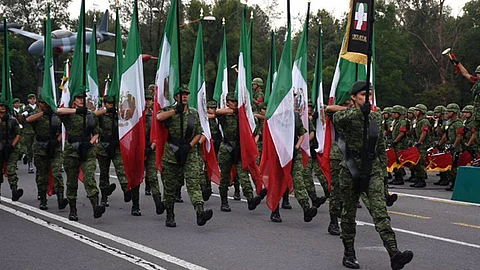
{"type": "Point", "coordinates": [223, 21]}
{"type": "Point", "coordinates": [117, 4]}
{"type": "Point", "coordinates": [201, 13]}
{"type": "Point", "coordinates": [251, 15]}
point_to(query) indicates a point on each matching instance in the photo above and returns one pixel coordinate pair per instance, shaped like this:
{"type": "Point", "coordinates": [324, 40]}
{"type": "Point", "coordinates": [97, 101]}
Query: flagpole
{"type": "Point", "coordinates": [84, 77]}
{"type": "Point", "coordinates": [179, 66]}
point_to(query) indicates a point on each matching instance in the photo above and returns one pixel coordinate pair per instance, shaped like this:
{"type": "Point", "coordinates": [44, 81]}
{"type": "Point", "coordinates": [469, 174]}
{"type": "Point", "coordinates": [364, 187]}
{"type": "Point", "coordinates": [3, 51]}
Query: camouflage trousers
{"type": "Point", "coordinates": [12, 170]}
{"type": "Point", "coordinates": [299, 186]}
{"type": "Point", "coordinates": [376, 206]}
{"type": "Point", "coordinates": [151, 174]}
{"type": "Point", "coordinates": [419, 170]}
{"type": "Point", "coordinates": [226, 169]}
{"type": "Point", "coordinates": [313, 167]}
{"type": "Point", "coordinates": [27, 145]}
{"type": "Point", "coordinates": [174, 175]}
{"type": "Point", "coordinates": [104, 164]}
{"type": "Point", "coordinates": [335, 204]}
{"type": "Point", "coordinates": [73, 164]}
{"type": "Point", "coordinates": [43, 163]}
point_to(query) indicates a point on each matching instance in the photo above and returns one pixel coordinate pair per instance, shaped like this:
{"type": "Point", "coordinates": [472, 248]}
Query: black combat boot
{"type": "Point", "coordinates": [224, 207]}
{"type": "Point", "coordinates": [236, 193]}
{"type": "Point", "coordinates": [203, 215]}
{"type": "Point", "coordinates": [159, 205]}
{"type": "Point", "coordinates": [170, 221]}
{"type": "Point", "coordinates": [178, 195]}
{"type": "Point", "coordinates": [333, 227]}
{"type": "Point", "coordinates": [147, 188]}
{"type": "Point", "coordinates": [127, 193]}
{"type": "Point", "coordinates": [98, 210]}
{"type": "Point", "coordinates": [398, 180]}
{"type": "Point", "coordinates": [73, 210]}
{"type": "Point", "coordinates": [285, 201]}
{"type": "Point", "coordinates": [275, 216]}
{"type": "Point", "coordinates": [358, 205]}
{"type": "Point", "coordinates": [43, 201]}
{"type": "Point", "coordinates": [400, 259]}
{"type": "Point", "coordinates": [349, 258]}
{"type": "Point", "coordinates": [136, 201]}
{"type": "Point", "coordinates": [16, 194]}
{"type": "Point", "coordinates": [107, 192]}
{"type": "Point", "coordinates": [391, 199]}
{"type": "Point", "coordinates": [308, 212]}
{"type": "Point", "coordinates": [206, 191]}
{"type": "Point", "coordinates": [254, 202]}
{"type": "Point", "coordinates": [61, 200]}
{"type": "Point", "coordinates": [419, 184]}
{"type": "Point", "coordinates": [317, 202]}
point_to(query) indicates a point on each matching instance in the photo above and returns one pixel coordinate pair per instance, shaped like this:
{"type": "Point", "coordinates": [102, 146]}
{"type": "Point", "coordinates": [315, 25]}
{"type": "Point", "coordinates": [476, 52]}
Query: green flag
{"type": "Point", "coordinates": [6, 96]}
{"type": "Point", "coordinates": [221, 84]}
{"type": "Point", "coordinates": [272, 69]}
{"type": "Point", "coordinates": [92, 74]}
{"type": "Point", "coordinates": [114, 90]}
{"type": "Point", "coordinates": [48, 89]}
{"type": "Point", "coordinates": [77, 79]}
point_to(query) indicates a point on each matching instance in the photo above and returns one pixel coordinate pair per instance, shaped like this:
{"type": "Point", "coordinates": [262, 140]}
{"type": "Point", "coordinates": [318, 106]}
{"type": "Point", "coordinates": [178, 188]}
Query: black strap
{"type": "Point", "coordinates": [54, 126]}
{"type": "Point", "coordinates": [349, 159]}
{"type": "Point", "coordinates": [370, 156]}
{"type": "Point", "coordinates": [190, 127]}
{"type": "Point", "coordinates": [90, 125]}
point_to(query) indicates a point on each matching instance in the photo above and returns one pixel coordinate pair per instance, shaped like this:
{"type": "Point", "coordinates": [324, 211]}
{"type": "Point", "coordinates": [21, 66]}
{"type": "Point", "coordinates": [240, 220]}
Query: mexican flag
{"type": "Point", "coordinates": [167, 79]}
{"type": "Point", "coordinates": [248, 147]}
{"type": "Point", "coordinates": [131, 122]}
{"type": "Point", "coordinates": [113, 89]}
{"type": "Point", "coordinates": [107, 85]}
{"type": "Point", "coordinates": [279, 130]}
{"type": "Point", "coordinates": [198, 100]}
{"type": "Point", "coordinates": [272, 68]}
{"type": "Point", "coordinates": [93, 100]}
{"type": "Point", "coordinates": [6, 95]}
{"type": "Point", "coordinates": [77, 79]}
{"type": "Point", "coordinates": [221, 84]}
{"type": "Point", "coordinates": [300, 77]}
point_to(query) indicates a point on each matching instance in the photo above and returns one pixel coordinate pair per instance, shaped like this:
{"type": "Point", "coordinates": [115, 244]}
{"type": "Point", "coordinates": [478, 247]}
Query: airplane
{"type": "Point", "coordinates": [63, 41]}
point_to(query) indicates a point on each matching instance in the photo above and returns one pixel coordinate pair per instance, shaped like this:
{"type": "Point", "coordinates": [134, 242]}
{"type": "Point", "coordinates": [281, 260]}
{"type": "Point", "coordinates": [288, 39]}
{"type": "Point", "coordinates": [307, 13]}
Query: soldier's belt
{"type": "Point", "coordinates": [40, 138]}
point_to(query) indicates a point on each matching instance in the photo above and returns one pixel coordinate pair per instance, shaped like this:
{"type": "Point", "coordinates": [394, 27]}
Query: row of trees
{"type": "Point", "coordinates": [410, 36]}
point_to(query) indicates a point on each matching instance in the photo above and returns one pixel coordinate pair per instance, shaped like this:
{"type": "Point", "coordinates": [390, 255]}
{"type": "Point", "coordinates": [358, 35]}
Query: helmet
{"type": "Point", "coordinates": [440, 109]}
{"type": "Point", "coordinates": [411, 110]}
{"type": "Point", "coordinates": [359, 86]}
{"type": "Point", "coordinates": [151, 86]}
{"type": "Point", "coordinates": [108, 99]}
{"type": "Point", "coordinates": [452, 107]}
{"type": "Point", "coordinates": [212, 104]}
{"type": "Point", "coordinates": [468, 109]}
{"type": "Point", "coordinates": [398, 109]}
{"type": "Point", "coordinates": [477, 70]}
{"type": "Point", "coordinates": [231, 96]}
{"type": "Point", "coordinates": [422, 108]}
{"type": "Point", "coordinates": [387, 110]}
{"type": "Point", "coordinates": [258, 81]}
{"type": "Point", "coordinates": [429, 113]}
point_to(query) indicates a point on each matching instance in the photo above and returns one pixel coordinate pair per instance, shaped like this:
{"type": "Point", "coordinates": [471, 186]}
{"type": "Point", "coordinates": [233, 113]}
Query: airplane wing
{"type": "Point", "coordinates": [100, 52]}
{"type": "Point", "coordinates": [25, 33]}
{"type": "Point", "coordinates": [103, 33]}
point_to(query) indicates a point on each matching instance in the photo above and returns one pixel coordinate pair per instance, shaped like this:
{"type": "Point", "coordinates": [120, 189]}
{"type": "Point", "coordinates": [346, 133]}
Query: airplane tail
{"type": "Point", "coordinates": [103, 28]}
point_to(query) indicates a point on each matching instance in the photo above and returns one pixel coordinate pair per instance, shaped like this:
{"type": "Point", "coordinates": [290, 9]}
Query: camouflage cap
{"type": "Point", "coordinates": [31, 96]}
{"type": "Point", "coordinates": [151, 86]}
{"type": "Point", "coordinates": [148, 95]}
{"type": "Point", "coordinates": [468, 109]}
{"type": "Point", "coordinates": [184, 89]}
{"type": "Point", "coordinates": [358, 87]}
{"type": "Point", "coordinates": [231, 96]}
{"type": "Point", "coordinates": [108, 99]}
{"type": "Point", "coordinates": [422, 108]}
{"type": "Point", "coordinates": [258, 81]}
{"type": "Point", "coordinates": [80, 94]}
{"type": "Point", "coordinates": [398, 109]}
{"type": "Point", "coordinates": [440, 109]}
{"type": "Point", "coordinates": [429, 113]}
{"type": "Point", "coordinates": [212, 104]}
{"type": "Point", "coordinates": [453, 107]}
{"type": "Point", "coordinates": [15, 100]}
{"type": "Point", "coordinates": [411, 110]}
{"type": "Point", "coordinates": [477, 70]}
{"type": "Point", "coordinates": [387, 110]}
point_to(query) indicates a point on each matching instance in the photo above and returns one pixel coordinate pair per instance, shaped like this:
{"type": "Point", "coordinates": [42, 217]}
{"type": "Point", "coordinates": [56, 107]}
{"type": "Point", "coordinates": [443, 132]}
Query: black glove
{"type": "Point", "coordinates": [182, 154]}
{"type": "Point", "coordinates": [111, 110]}
{"type": "Point", "coordinates": [81, 110]}
{"type": "Point", "coordinates": [185, 148]}
{"type": "Point", "coordinates": [179, 108]}
{"type": "Point", "coordinates": [235, 111]}
{"type": "Point", "coordinates": [315, 115]}
{"type": "Point", "coordinates": [47, 112]}
{"type": "Point", "coordinates": [366, 108]}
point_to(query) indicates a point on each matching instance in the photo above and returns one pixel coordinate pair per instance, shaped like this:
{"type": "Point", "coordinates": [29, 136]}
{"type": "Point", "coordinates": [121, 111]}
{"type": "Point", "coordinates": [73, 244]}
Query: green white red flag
{"type": "Point", "coordinates": [221, 84]}
{"type": "Point", "coordinates": [93, 100]}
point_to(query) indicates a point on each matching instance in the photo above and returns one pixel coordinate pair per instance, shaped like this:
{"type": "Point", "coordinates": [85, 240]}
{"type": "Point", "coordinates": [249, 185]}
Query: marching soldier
{"type": "Point", "coordinates": [10, 135]}
{"type": "Point", "coordinates": [399, 140]}
{"type": "Point", "coordinates": [421, 133]}
{"type": "Point", "coordinates": [453, 140]}
{"type": "Point", "coordinates": [80, 153]}
{"type": "Point", "coordinates": [258, 95]}
{"type": "Point", "coordinates": [180, 159]}
{"type": "Point", "coordinates": [28, 133]}
{"type": "Point", "coordinates": [351, 123]}
{"type": "Point", "coordinates": [217, 140]}
{"type": "Point", "coordinates": [229, 155]}
{"type": "Point", "coordinates": [108, 151]}
{"type": "Point", "coordinates": [469, 128]}
{"type": "Point", "coordinates": [47, 152]}
{"type": "Point", "coordinates": [437, 134]}
{"type": "Point", "coordinates": [151, 177]}
{"type": "Point", "coordinates": [387, 123]}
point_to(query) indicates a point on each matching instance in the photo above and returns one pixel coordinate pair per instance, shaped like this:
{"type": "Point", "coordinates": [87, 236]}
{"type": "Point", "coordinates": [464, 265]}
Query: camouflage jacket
{"type": "Point", "coordinates": [148, 123]}
{"type": "Point", "coordinates": [229, 124]}
{"type": "Point", "coordinates": [215, 130]}
{"type": "Point", "coordinates": [453, 129]}
{"type": "Point", "coordinates": [399, 126]}
{"type": "Point", "coordinates": [27, 127]}
{"type": "Point", "coordinates": [469, 128]}
{"type": "Point", "coordinates": [13, 130]}
{"type": "Point", "coordinates": [260, 97]}
{"type": "Point", "coordinates": [74, 125]}
{"type": "Point", "coordinates": [422, 125]}
{"type": "Point", "coordinates": [108, 123]}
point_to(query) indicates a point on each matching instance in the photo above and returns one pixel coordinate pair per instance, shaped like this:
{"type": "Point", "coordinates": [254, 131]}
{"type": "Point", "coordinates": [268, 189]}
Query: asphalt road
{"type": "Point", "coordinates": [442, 234]}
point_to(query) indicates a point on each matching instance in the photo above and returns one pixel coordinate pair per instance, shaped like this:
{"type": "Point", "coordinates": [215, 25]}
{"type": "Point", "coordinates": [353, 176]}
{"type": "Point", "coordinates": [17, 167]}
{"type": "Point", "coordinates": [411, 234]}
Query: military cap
{"type": "Point", "coordinates": [440, 109]}
{"type": "Point", "coordinates": [148, 95]}
{"type": "Point", "coordinates": [80, 95]}
{"type": "Point", "coordinates": [387, 110]}
{"type": "Point", "coordinates": [477, 70]}
{"type": "Point", "coordinates": [231, 96]}
{"type": "Point", "coordinates": [15, 100]}
{"type": "Point", "coordinates": [468, 109]}
{"type": "Point", "coordinates": [108, 99]}
{"type": "Point", "coordinates": [151, 86]}
{"type": "Point", "coordinates": [411, 110]}
{"type": "Point", "coordinates": [398, 109]}
{"type": "Point", "coordinates": [422, 108]}
{"type": "Point", "coordinates": [184, 89]}
{"type": "Point", "coordinates": [31, 96]}
{"type": "Point", "coordinates": [212, 104]}
{"type": "Point", "coordinates": [258, 81]}
{"type": "Point", "coordinates": [429, 113]}
{"type": "Point", "coordinates": [358, 87]}
{"type": "Point", "coordinates": [452, 107]}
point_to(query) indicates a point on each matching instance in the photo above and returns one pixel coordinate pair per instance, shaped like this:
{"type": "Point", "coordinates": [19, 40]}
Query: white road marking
{"type": "Point", "coordinates": [158, 254]}
{"type": "Point", "coordinates": [86, 240]}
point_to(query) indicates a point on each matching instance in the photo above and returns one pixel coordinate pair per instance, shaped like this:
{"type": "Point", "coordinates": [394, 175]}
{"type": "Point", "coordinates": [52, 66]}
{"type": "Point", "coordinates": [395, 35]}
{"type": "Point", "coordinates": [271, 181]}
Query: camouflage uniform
{"type": "Point", "coordinates": [28, 134]}
{"type": "Point", "coordinates": [313, 167]}
{"type": "Point", "coordinates": [48, 155]}
{"type": "Point", "coordinates": [419, 127]}
{"type": "Point", "coordinates": [470, 128]}
{"type": "Point", "coordinates": [9, 153]}
{"type": "Point", "coordinates": [399, 125]}
{"type": "Point", "coordinates": [350, 122]}
{"type": "Point", "coordinates": [453, 129]}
